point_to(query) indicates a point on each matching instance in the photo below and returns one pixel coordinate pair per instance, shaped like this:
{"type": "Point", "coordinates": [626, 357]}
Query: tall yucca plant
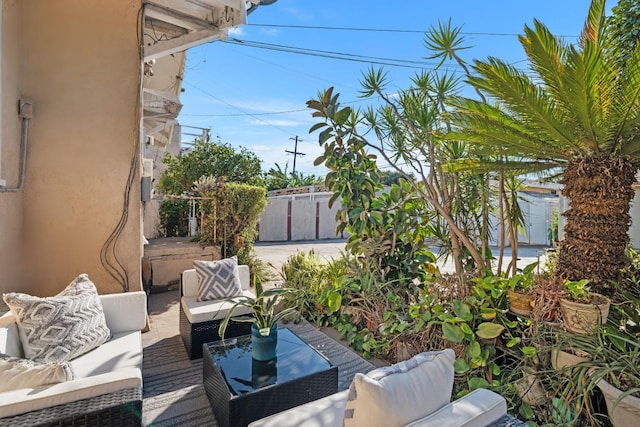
{"type": "Point", "coordinates": [577, 109]}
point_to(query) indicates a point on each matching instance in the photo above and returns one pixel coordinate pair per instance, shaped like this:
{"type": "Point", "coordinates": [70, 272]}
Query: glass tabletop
{"type": "Point", "coordinates": [243, 374]}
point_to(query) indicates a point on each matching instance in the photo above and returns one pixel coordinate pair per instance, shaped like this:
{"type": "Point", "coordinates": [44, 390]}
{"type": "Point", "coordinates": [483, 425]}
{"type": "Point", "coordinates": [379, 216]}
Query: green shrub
{"type": "Point", "coordinates": [174, 218]}
{"type": "Point", "coordinates": [230, 213]}
{"type": "Point", "coordinates": [317, 298]}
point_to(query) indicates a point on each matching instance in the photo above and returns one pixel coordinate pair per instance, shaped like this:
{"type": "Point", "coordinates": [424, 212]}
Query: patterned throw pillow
{"type": "Point", "coordinates": [218, 279]}
{"type": "Point", "coordinates": [63, 327]}
{"type": "Point", "coordinates": [16, 373]}
{"type": "Point", "coordinates": [396, 395]}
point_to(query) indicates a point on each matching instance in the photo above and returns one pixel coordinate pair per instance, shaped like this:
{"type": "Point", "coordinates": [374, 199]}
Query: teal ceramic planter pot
{"type": "Point", "coordinates": [263, 347]}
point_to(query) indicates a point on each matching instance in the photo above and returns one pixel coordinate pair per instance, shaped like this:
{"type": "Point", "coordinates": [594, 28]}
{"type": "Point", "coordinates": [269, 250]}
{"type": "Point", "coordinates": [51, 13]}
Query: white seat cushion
{"type": "Point", "coordinates": [123, 350]}
{"type": "Point", "coordinates": [325, 412]}
{"type": "Point", "coordinates": [31, 399]}
{"type": "Point", "coordinates": [479, 408]}
{"type": "Point", "coordinates": [10, 336]}
{"type": "Point", "coordinates": [204, 311]}
{"type": "Point", "coordinates": [393, 396]}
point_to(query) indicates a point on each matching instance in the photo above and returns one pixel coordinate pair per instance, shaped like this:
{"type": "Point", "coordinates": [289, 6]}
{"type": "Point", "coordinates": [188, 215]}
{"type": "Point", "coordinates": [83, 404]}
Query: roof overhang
{"type": "Point", "coordinates": [170, 27]}
{"type": "Point", "coordinates": [175, 25]}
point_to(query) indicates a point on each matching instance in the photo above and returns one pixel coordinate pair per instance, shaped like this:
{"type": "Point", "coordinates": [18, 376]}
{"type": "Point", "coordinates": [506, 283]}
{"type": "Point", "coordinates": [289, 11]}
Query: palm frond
{"type": "Point", "coordinates": [628, 102]}
{"type": "Point", "coordinates": [523, 98]}
{"type": "Point", "coordinates": [497, 130]}
{"type": "Point", "coordinates": [582, 94]}
{"type": "Point", "coordinates": [631, 148]}
{"type": "Point", "coordinates": [594, 26]}
{"type": "Point", "coordinates": [580, 100]}
{"type": "Point", "coordinates": [547, 55]}
{"type": "Point", "coordinates": [486, 165]}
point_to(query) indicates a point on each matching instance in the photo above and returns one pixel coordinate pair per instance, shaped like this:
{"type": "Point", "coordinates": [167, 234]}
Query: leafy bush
{"type": "Point", "coordinates": [230, 213]}
{"type": "Point", "coordinates": [307, 274]}
{"type": "Point", "coordinates": [209, 158]}
{"type": "Point", "coordinates": [174, 218]}
{"type": "Point", "coordinates": [205, 158]}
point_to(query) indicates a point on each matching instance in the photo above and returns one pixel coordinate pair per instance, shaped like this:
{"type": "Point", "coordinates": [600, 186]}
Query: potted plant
{"type": "Point", "coordinates": [529, 387]}
{"type": "Point", "coordinates": [583, 311]}
{"type": "Point", "coordinates": [615, 371]}
{"type": "Point", "coordinates": [567, 352]}
{"type": "Point", "coordinates": [264, 317]}
{"type": "Point", "coordinates": [519, 291]}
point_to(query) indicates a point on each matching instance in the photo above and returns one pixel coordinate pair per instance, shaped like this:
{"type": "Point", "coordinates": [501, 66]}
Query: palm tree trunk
{"type": "Point", "coordinates": [600, 190]}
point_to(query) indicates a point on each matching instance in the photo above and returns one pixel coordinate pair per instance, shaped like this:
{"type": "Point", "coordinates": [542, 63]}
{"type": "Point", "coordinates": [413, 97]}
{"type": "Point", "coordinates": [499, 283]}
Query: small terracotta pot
{"type": "Point", "coordinates": [520, 303]}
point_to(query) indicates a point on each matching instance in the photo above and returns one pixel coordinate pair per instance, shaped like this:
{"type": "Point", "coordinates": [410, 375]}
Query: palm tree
{"type": "Point", "coordinates": [577, 110]}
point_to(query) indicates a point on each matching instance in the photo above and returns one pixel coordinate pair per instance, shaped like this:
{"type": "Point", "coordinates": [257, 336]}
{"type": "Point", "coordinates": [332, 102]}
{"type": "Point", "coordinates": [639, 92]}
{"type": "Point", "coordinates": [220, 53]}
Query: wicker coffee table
{"type": "Point", "coordinates": [242, 390]}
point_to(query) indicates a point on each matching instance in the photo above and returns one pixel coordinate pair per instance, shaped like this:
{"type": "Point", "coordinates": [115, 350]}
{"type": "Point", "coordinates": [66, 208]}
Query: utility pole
{"type": "Point", "coordinates": [295, 153]}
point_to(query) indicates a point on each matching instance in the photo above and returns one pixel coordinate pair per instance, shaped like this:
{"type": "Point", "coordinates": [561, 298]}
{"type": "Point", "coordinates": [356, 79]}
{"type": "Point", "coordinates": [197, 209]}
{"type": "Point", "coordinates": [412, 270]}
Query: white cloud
{"type": "Point", "coordinates": [267, 105]}
{"type": "Point", "coordinates": [237, 31]}
{"type": "Point", "coordinates": [271, 32]}
{"type": "Point", "coordinates": [271, 122]}
{"type": "Point", "coordinates": [260, 148]}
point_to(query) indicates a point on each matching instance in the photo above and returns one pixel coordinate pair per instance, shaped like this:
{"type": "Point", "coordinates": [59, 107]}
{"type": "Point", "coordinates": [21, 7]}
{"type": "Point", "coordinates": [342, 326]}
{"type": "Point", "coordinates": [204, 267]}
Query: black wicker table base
{"type": "Point", "coordinates": [194, 335]}
{"type": "Point", "coordinates": [242, 390]}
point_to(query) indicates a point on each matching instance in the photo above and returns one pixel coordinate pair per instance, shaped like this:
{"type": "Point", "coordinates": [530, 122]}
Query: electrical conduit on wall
{"type": "Point", "coordinates": [25, 112]}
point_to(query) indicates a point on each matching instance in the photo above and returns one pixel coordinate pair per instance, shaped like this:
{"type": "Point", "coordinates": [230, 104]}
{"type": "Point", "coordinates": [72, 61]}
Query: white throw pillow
{"type": "Point", "coordinates": [218, 279]}
{"type": "Point", "coordinates": [60, 328]}
{"type": "Point", "coordinates": [393, 396]}
{"type": "Point", "coordinates": [16, 373]}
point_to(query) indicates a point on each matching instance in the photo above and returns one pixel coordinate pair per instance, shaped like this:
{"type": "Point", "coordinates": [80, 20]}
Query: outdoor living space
{"type": "Point", "coordinates": [474, 165]}
{"type": "Point", "coordinates": [173, 384]}
{"type": "Point", "coordinates": [174, 393]}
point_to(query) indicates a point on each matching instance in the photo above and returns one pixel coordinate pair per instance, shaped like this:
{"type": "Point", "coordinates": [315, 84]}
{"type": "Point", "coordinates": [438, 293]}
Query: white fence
{"type": "Point", "coordinates": [299, 217]}
{"type": "Point", "coordinates": [296, 218]}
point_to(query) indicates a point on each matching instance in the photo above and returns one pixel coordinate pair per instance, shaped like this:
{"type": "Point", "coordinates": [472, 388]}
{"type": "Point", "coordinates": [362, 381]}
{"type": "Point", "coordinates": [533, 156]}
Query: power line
{"type": "Point", "coordinates": [328, 54]}
{"type": "Point", "coordinates": [387, 30]}
{"type": "Point", "coordinates": [394, 62]}
{"type": "Point", "coordinates": [235, 107]}
{"type": "Point", "coordinates": [244, 114]}
{"type": "Point", "coordinates": [270, 113]}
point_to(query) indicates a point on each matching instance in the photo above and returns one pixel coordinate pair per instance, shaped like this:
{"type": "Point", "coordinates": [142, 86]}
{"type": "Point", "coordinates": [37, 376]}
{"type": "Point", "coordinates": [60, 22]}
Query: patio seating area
{"type": "Point", "coordinates": [173, 392]}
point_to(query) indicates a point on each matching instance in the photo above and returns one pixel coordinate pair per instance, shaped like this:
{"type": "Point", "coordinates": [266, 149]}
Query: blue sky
{"type": "Point", "coordinates": [255, 97]}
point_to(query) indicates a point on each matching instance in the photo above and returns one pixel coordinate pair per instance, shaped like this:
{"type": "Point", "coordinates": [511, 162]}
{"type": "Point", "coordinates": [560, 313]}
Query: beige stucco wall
{"type": "Point", "coordinates": [10, 202]}
{"type": "Point", "coordinates": [78, 62]}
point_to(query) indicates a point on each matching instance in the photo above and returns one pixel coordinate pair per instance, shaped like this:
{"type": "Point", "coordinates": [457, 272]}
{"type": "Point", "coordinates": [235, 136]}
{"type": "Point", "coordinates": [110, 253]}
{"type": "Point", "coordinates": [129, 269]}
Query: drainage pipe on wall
{"type": "Point", "coordinates": [25, 112]}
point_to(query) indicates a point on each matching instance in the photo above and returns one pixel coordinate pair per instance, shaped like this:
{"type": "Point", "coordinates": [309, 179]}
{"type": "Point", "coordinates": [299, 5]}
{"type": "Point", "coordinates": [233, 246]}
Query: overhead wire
{"type": "Point", "coordinates": [395, 62]}
{"type": "Point", "coordinates": [237, 108]}
{"type": "Point", "coordinates": [388, 30]}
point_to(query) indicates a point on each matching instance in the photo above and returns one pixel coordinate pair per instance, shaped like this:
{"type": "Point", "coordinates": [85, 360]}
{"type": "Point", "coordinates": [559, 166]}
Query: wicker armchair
{"type": "Point", "coordinates": [200, 320]}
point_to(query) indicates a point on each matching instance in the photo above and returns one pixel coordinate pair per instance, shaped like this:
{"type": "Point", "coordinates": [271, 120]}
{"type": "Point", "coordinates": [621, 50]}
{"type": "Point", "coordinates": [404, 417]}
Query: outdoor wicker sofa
{"type": "Point", "coordinates": [412, 393]}
{"type": "Point", "coordinates": [107, 385]}
{"type": "Point", "coordinates": [200, 320]}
